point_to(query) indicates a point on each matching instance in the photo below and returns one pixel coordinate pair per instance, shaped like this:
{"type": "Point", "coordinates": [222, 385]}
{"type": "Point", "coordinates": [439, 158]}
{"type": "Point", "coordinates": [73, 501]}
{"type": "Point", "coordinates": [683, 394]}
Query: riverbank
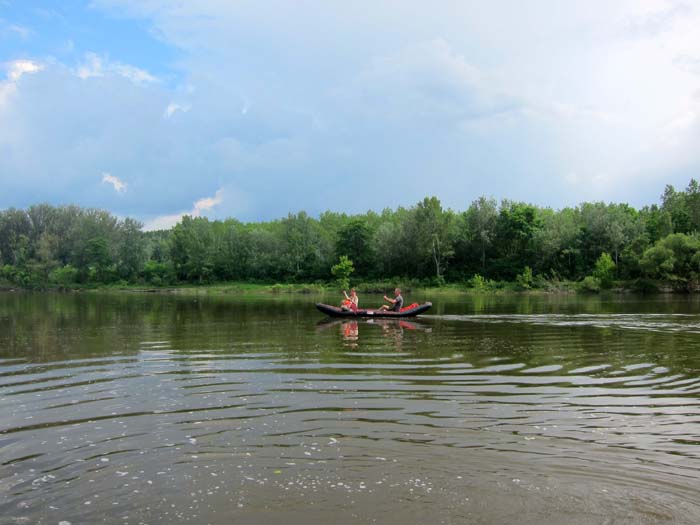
{"type": "Point", "coordinates": [371, 287]}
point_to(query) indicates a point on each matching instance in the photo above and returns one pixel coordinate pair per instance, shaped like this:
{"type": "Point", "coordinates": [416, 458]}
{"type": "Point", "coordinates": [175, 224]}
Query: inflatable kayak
{"type": "Point", "coordinates": [408, 311]}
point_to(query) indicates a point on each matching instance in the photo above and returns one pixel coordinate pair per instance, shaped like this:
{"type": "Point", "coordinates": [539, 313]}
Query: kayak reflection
{"type": "Point", "coordinates": [350, 329]}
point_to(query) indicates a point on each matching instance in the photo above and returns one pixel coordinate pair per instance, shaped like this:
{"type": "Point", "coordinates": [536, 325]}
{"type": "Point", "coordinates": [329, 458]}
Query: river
{"type": "Point", "coordinates": [148, 408]}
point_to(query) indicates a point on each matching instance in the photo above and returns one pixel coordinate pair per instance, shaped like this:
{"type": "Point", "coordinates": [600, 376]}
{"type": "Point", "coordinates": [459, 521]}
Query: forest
{"type": "Point", "coordinates": [596, 245]}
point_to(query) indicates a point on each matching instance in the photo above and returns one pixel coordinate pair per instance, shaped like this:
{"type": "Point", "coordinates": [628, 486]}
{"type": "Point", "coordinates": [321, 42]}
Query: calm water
{"type": "Point", "coordinates": [156, 409]}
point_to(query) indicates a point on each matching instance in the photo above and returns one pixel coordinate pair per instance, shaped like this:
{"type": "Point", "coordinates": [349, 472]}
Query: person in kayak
{"type": "Point", "coordinates": [396, 302]}
{"type": "Point", "coordinates": [351, 301]}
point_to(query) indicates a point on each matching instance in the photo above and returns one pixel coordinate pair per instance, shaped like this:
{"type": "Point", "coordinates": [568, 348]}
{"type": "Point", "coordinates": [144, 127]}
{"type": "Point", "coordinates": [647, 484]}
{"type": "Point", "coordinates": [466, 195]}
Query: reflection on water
{"type": "Point", "coordinates": [134, 409]}
{"type": "Point", "coordinates": [350, 329]}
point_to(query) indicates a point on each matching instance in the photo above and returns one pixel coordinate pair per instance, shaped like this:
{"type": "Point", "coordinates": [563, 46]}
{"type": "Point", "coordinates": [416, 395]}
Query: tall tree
{"type": "Point", "coordinates": [191, 249]}
{"type": "Point", "coordinates": [355, 242]}
{"type": "Point", "coordinates": [674, 203]}
{"type": "Point", "coordinates": [480, 220]}
{"type": "Point", "coordinates": [516, 229]}
{"type": "Point", "coordinates": [429, 233]}
{"type": "Point", "coordinates": [131, 251]}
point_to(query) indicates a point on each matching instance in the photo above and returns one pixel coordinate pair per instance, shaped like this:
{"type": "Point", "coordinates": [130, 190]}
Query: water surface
{"type": "Point", "coordinates": [164, 409]}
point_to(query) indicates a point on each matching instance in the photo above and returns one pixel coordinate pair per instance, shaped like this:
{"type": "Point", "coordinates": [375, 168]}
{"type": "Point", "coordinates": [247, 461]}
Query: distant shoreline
{"type": "Point", "coordinates": [373, 288]}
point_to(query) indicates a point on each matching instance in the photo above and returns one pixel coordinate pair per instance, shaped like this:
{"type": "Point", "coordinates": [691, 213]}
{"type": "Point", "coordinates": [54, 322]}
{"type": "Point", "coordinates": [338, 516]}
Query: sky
{"type": "Point", "coordinates": [157, 108]}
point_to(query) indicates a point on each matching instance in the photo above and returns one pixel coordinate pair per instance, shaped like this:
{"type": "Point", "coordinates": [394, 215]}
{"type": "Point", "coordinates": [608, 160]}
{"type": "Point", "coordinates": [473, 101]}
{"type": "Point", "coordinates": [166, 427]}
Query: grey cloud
{"type": "Point", "coordinates": [428, 80]}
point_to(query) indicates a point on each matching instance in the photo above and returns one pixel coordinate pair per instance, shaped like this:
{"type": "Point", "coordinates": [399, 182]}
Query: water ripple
{"type": "Point", "coordinates": [517, 411]}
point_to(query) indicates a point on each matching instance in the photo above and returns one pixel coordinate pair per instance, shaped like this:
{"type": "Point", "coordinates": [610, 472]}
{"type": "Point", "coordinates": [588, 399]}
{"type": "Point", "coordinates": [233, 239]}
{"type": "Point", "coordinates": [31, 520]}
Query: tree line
{"type": "Point", "coordinates": [594, 243]}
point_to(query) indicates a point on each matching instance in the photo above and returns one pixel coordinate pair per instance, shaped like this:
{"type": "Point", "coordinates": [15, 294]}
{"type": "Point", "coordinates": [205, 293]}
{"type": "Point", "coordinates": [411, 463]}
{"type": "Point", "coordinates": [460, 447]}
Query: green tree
{"type": "Point", "coordinates": [191, 249]}
{"type": "Point", "coordinates": [45, 251]}
{"type": "Point", "coordinates": [355, 241]}
{"type": "Point", "coordinates": [428, 233]}
{"type": "Point", "coordinates": [131, 251]}
{"type": "Point", "coordinates": [525, 279]}
{"type": "Point", "coordinates": [97, 260]}
{"type": "Point", "coordinates": [342, 271]}
{"type": "Point", "coordinates": [480, 221]}
{"type": "Point", "coordinates": [658, 262]}
{"type": "Point", "coordinates": [390, 251]}
{"type": "Point", "coordinates": [516, 228]}
{"type": "Point", "coordinates": [657, 222]}
{"type": "Point", "coordinates": [15, 233]}
{"type": "Point", "coordinates": [607, 228]}
{"type": "Point", "coordinates": [556, 244]}
{"type": "Point", "coordinates": [692, 204]}
{"type": "Point", "coordinates": [231, 250]}
{"type": "Point", "coordinates": [675, 258]}
{"type": "Point", "coordinates": [65, 276]}
{"type": "Point", "coordinates": [303, 251]}
{"type": "Point", "coordinates": [605, 270]}
{"type": "Point", "coordinates": [157, 273]}
{"type": "Point", "coordinates": [674, 203]}
{"type": "Point", "coordinates": [266, 257]}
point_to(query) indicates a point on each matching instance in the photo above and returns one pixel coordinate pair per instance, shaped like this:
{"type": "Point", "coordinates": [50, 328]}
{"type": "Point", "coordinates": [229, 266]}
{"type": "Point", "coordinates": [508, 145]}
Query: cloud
{"type": "Point", "coordinates": [658, 17]}
{"type": "Point", "coordinates": [670, 29]}
{"type": "Point", "coordinates": [206, 203]}
{"type": "Point", "coordinates": [172, 108]}
{"type": "Point", "coordinates": [429, 80]}
{"type": "Point", "coordinates": [165, 222]}
{"type": "Point", "coordinates": [96, 66]}
{"type": "Point", "coordinates": [690, 64]}
{"type": "Point", "coordinates": [57, 131]}
{"type": "Point", "coordinates": [15, 70]}
{"type": "Point", "coordinates": [14, 30]}
{"type": "Point", "coordinates": [118, 184]}
{"type": "Point", "coordinates": [452, 99]}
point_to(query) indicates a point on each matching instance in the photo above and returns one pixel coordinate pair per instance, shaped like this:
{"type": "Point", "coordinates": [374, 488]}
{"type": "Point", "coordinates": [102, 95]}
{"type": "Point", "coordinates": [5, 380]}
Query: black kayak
{"type": "Point", "coordinates": [335, 311]}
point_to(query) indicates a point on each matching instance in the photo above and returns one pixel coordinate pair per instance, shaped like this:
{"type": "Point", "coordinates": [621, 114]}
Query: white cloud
{"type": "Point", "coordinates": [165, 222]}
{"type": "Point", "coordinates": [657, 17]}
{"type": "Point", "coordinates": [91, 67]}
{"type": "Point", "coordinates": [15, 70]}
{"type": "Point", "coordinates": [173, 107]}
{"type": "Point", "coordinates": [116, 182]}
{"type": "Point", "coordinates": [207, 203]}
{"type": "Point", "coordinates": [96, 66]}
{"type": "Point", "coordinates": [135, 74]}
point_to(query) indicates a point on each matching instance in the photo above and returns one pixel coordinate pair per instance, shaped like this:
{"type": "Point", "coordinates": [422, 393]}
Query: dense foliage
{"type": "Point", "coordinates": [594, 243]}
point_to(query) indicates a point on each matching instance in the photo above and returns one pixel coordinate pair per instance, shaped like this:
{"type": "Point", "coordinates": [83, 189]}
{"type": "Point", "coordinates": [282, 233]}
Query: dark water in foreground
{"type": "Point", "coordinates": [155, 409]}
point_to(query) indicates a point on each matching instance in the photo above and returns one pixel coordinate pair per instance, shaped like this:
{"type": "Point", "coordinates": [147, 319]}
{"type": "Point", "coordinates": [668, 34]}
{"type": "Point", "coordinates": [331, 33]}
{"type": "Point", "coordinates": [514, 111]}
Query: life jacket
{"type": "Point", "coordinates": [349, 304]}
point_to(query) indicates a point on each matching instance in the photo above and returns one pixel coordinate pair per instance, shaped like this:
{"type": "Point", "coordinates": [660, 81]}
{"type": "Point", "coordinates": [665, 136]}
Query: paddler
{"type": "Point", "coordinates": [351, 301]}
{"type": "Point", "coordinates": [396, 302]}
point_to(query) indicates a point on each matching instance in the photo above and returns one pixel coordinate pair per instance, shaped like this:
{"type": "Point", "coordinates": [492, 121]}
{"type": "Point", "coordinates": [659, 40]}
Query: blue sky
{"type": "Point", "coordinates": [155, 108]}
